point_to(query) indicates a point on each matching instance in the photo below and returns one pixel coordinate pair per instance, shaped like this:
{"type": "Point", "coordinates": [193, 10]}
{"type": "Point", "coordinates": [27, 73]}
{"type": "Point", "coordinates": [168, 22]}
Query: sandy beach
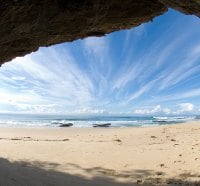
{"type": "Point", "coordinates": [163, 155]}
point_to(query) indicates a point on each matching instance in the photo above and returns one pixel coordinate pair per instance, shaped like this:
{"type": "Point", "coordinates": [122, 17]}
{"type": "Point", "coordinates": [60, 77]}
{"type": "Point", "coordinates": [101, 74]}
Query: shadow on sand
{"type": "Point", "coordinates": [22, 173]}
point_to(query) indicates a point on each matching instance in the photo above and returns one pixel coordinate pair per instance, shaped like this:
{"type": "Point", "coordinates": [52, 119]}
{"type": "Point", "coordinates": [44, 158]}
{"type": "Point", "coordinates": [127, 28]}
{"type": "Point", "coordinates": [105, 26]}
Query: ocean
{"type": "Point", "coordinates": [33, 120]}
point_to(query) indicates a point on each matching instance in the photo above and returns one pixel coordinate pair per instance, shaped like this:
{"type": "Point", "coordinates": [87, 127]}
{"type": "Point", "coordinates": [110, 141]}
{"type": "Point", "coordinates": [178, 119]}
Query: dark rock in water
{"type": "Point", "coordinates": [102, 125]}
{"type": "Point", "coordinates": [66, 125]}
{"type": "Point", "coordinates": [197, 117]}
{"type": "Point", "coordinates": [160, 121]}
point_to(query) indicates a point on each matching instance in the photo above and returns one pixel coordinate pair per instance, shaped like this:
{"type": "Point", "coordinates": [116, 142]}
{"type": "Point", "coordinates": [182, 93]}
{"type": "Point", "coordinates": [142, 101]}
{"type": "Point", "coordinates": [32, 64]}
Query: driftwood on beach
{"type": "Point", "coordinates": [102, 125]}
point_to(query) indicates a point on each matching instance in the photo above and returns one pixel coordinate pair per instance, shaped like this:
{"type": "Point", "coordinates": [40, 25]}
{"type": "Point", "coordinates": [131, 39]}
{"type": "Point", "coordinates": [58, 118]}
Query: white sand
{"type": "Point", "coordinates": [164, 155]}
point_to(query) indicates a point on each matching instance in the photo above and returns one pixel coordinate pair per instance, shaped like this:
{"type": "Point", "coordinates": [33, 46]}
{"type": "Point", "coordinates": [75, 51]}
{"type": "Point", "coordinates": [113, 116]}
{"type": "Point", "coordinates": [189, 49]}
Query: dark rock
{"type": "Point", "coordinates": [118, 140]}
{"type": "Point", "coordinates": [27, 25]}
{"type": "Point", "coordinates": [159, 173]}
{"type": "Point", "coordinates": [139, 181]}
{"type": "Point", "coordinates": [159, 121]}
{"type": "Point", "coordinates": [66, 125]}
{"type": "Point", "coordinates": [66, 139]}
{"type": "Point", "coordinates": [184, 6]}
{"type": "Point", "coordinates": [162, 165]}
{"type": "Point", "coordinates": [102, 125]}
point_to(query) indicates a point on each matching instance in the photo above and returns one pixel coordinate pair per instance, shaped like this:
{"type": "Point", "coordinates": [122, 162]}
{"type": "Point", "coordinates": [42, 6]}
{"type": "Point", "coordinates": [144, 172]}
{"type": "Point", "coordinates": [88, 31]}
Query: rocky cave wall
{"type": "Point", "coordinates": [26, 25]}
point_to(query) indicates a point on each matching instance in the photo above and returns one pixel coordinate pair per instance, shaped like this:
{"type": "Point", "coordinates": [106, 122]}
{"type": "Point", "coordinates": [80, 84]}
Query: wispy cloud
{"type": "Point", "coordinates": [99, 62]}
{"type": "Point", "coordinates": [56, 80]}
{"type": "Point", "coordinates": [153, 64]}
{"type": "Point", "coordinates": [184, 69]}
{"type": "Point", "coordinates": [144, 89]}
{"type": "Point", "coordinates": [180, 95]}
{"type": "Point", "coordinates": [97, 47]}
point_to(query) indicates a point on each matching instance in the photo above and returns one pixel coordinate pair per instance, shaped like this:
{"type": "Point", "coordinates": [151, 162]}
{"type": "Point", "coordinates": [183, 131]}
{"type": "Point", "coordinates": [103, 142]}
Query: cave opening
{"type": "Point", "coordinates": [141, 81]}
{"type": "Point", "coordinates": [152, 69]}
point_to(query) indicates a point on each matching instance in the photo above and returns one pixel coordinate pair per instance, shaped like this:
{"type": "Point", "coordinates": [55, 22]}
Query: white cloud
{"type": "Point", "coordinates": [140, 69]}
{"type": "Point", "coordinates": [177, 96]}
{"type": "Point", "coordinates": [99, 63]}
{"type": "Point", "coordinates": [140, 92]}
{"type": "Point", "coordinates": [169, 47]}
{"type": "Point", "coordinates": [88, 110]}
{"type": "Point", "coordinates": [127, 75]}
{"type": "Point", "coordinates": [30, 108]}
{"type": "Point", "coordinates": [154, 110]}
{"type": "Point", "coordinates": [54, 79]}
{"type": "Point", "coordinates": [19, 78]}
{"type": "Point", "coordinates": [96, 45]}
{"type": "Point", "coordinates": [133, 35]}
{"type": "Point", "coordinates": [142, 111]}
{"type": "Point", "coordinates": [166, 111]}
{"type": "Point", "coordinates": [157, 110]}
{"type": "Point", "coordinates": [185, 69]}
{"type": "Point", "coordinates": [185, 108]}
{"type": "Point", "coordinates": [144, 89]}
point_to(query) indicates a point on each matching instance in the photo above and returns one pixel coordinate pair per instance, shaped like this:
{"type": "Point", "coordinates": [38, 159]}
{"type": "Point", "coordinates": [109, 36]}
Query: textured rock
{"type": "Point", "coordinates": [66, 125]}
{"type": "Point", "coordinates": [26, 25]}
{"type": "Point", "coordinates": [185, 6]}
{"type": "Point", "coordinates": [102, 125]}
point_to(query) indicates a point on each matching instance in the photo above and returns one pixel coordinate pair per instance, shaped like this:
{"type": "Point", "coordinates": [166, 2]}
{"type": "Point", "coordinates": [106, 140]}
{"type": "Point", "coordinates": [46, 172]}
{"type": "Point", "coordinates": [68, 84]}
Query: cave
{"type": "Point", "coordinates": [27, 25]}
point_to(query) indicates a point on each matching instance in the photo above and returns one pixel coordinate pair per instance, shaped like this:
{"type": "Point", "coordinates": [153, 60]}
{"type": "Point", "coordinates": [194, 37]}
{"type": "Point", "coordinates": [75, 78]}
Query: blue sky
{"type": "Point", "coordinates": [153, 69]}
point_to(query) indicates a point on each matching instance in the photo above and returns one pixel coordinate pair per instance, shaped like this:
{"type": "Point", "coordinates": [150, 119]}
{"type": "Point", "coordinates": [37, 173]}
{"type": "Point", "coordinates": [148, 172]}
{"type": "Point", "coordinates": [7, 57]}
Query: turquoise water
{"type": "Point", "coordinates": [30, 120]}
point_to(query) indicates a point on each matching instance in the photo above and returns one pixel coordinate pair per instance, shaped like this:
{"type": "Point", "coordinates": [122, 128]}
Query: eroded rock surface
{"type": "Point", "coordinates": [185, 6]}
{"type": "Point", "coordinates": [26, 25]}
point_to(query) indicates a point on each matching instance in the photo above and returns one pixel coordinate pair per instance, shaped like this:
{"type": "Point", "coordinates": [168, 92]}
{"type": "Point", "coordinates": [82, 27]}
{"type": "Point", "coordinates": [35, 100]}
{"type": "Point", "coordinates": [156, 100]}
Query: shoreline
{"type": "Point", "coordinates": [44, 121]}
{"type": "Point", "coordinates": [159, 155]}
{"type": "Point", "coordinates": [110, 127]}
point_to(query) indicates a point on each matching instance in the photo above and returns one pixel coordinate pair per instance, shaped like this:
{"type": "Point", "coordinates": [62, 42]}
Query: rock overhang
{"type": "Point", "coordinates": [27, 25]}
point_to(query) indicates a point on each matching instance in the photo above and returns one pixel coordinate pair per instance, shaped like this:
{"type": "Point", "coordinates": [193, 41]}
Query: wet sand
{"type": "Point", "coordinates": [163, 155]}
